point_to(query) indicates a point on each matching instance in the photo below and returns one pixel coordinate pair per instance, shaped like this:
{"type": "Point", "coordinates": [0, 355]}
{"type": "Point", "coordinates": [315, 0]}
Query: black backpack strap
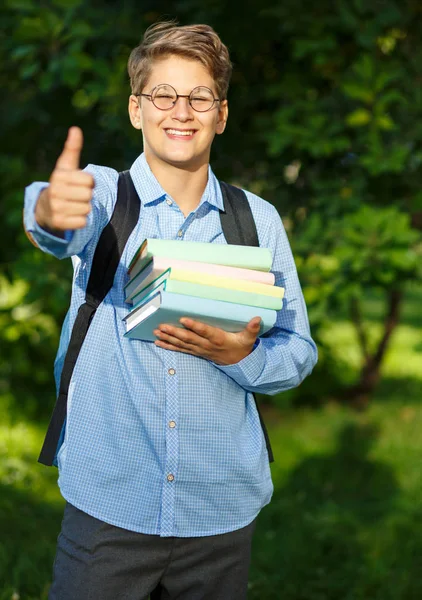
{"type": "Point", "coordinates": [239, 228]}
{"type": "Point", "coordinates": [236, 219]}
{"type": "Point", "coordinates": [104, 265]}
{"type": "Point", "coordinates": [265, 432]}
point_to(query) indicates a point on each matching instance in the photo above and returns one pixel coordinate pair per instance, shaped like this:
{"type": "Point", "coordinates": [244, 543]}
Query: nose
{"type": "Point", "coordinates": [182, 110]}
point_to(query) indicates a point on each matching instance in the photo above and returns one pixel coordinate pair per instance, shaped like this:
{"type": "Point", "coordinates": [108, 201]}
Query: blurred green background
{"type": "Point", "coordinates": [326, 123]}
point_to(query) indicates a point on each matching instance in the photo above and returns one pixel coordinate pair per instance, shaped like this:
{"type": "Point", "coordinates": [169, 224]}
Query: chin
{"type": "Point", "coordinates": [182, 160]}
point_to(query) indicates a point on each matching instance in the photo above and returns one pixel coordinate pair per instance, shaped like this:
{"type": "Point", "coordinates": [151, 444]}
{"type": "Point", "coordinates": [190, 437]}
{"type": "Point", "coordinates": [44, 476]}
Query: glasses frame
{"type": "Point", "coordinates": [188, 96]}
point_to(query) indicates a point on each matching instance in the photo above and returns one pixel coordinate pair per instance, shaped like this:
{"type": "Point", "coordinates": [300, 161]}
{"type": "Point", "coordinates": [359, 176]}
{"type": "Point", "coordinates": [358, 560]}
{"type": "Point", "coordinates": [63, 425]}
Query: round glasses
{"type": "Point", "coordinates": [164, 97]}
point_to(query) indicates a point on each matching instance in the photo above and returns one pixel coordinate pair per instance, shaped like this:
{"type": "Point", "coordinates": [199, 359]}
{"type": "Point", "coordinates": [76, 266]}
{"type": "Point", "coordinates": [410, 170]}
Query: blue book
{"type": "Point", "coordinates": [167, 307]}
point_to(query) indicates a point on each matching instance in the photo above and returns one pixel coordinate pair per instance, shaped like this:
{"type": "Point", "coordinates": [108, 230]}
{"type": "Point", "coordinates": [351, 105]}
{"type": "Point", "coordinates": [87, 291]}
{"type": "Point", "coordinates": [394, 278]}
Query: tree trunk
{"type": "Point", "coordinates": [359, 394]}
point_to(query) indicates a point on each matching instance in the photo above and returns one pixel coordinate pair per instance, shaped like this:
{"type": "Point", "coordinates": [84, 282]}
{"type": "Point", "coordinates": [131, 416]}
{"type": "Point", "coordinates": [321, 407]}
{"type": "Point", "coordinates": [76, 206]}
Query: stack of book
{"type": "Point", "coordinates": [222, 285]}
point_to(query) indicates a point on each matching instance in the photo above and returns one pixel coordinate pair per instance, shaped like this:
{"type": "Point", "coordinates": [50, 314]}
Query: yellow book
{"type": "Point", "coordinates": [216, 281]}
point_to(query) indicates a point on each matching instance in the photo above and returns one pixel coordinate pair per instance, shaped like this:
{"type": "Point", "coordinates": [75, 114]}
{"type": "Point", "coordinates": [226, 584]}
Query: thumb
{"type": "Point", "coordinates": [69, 158]}
{"type": "Point", "coordinates": [253, 327]}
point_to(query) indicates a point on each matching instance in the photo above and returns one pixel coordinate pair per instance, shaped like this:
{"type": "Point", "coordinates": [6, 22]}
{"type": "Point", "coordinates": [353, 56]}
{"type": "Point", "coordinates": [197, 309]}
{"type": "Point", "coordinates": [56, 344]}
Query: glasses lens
{"type": "Point", "coordinates": [201, 99]}
{"type": "Point", "coordinates": [164, 97]}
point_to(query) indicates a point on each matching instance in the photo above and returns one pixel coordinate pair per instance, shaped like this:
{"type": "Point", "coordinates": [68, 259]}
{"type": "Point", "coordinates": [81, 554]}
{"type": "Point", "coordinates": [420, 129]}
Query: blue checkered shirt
{"type": "Point", "coordinates": [156, 441]}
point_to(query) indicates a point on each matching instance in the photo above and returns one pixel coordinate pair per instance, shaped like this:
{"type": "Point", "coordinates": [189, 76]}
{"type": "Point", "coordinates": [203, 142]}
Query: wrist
{"type": "Point", "coordinates": [40, 215]}
{"type": "Point", "coordinates": [234, 357]}
{"type": "Point", "coordinates": [40, 209]}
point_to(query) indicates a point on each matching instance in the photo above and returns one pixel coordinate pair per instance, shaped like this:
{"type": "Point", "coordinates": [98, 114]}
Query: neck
{"type": "Point", "coordinates": [184, 186]}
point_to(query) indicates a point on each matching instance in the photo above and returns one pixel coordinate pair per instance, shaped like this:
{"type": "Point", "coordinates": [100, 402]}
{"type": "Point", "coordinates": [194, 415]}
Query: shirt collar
{"type": "Point", "coordinates": [149, 189]}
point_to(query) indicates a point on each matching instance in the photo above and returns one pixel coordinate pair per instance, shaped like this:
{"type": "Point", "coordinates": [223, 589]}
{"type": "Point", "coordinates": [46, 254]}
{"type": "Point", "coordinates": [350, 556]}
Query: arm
{"type": "Point", "coordinates": [270, 364]}
{"type": "Point", "coordinates": [282, 359]}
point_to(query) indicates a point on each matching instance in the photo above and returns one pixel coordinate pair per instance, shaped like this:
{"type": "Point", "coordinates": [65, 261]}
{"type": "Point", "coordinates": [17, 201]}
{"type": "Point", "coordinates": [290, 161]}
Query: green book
{"type": "Point", "coordinates": [211, 292]}
{"type": "Point", "coordinates": [231, 255]}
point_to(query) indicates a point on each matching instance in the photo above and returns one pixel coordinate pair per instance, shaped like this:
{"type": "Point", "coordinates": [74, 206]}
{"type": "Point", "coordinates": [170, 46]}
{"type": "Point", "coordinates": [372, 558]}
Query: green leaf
{"type": "Point", "coordinates": [385, 100]}
{"type": "Point", "coordinates": [22, 51]}
{"type": "Point", "coordinates": [385, 122]}
{"type": "Point", "coordinates": [81, 29]}
{"type": "Point", "coordinates": [30, 70]}
{"type": "Point", "coordinates": [82, 100]}
{"type": "Point", "coordinates": [358, 92]}
{"type": "Point", "coordinates": [384, 79]}
{"type": "Point", "coordinates": [359, 117]}
{"type": "Point", "coordinates": [365, 68]}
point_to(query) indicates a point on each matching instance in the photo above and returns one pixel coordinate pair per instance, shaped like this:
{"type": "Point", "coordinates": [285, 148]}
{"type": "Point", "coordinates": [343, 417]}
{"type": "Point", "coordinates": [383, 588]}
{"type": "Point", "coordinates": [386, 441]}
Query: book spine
{"type": "Point", "coordinates": [136, 285]}
{"type": "Point", "coordinates": [222, 254]}
{"type": "Point", "coordinates": [226, 295]}
{"type": "Point", "coordinates": [163, 263]}
{"type": "Point", "coordinates": [226, 282]}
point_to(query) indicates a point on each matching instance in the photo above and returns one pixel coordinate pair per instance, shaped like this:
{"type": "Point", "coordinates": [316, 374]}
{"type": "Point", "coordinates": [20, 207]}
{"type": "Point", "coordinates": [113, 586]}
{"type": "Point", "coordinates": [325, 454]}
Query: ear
{"type": "Point", "coordinates": [135, 112]}
{"type": "Point", "coordinates": [223, 114]}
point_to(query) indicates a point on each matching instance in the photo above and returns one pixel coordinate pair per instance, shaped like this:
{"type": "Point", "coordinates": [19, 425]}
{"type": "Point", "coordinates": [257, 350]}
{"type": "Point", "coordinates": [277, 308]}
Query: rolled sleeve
{"type": "Point", "coordinates": [249, 369]}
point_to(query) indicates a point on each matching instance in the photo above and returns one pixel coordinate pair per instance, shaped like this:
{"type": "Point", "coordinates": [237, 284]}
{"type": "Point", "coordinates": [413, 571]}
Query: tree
{"type": "Point", "coordinates": [326, 125]}
{"type": "Point", "coordinates": [339, 113]}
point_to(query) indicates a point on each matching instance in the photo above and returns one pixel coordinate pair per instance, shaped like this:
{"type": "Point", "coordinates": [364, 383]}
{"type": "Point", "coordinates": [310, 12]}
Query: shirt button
{"type": "Point", "coordinates": [172, 424]}
{"type": "Point", "coordinates": [172, 371]}
{"type": "Point", "coordinates": [170, 477]}
{"type": "Point", "coordinates": [180, 233]}
{"type": "Point", "coordinates": [169, 202]}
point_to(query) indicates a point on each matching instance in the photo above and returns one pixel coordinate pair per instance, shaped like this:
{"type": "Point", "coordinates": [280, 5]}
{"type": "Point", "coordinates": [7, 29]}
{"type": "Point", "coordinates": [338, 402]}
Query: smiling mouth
{"type": "Point", "coordinates": [180, 133]}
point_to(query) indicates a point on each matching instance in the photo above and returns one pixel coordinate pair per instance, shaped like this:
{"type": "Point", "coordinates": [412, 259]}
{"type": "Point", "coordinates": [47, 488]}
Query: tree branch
{"type": "Point", "coordinates": [390, 323]}
{"type": "Point", "coordinates": [356, 317]}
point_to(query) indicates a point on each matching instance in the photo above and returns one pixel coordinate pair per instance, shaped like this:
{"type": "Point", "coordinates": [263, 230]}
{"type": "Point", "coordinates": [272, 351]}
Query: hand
{"type": "Point", "coordinates": [66, 203]}
{"type": "Point", "coordinates": [211, 343]}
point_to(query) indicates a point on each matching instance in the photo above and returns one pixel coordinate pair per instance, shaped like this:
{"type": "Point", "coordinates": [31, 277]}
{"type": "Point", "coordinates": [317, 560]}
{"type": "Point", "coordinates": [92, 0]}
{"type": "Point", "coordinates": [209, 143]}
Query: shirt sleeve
{"type": "Point", "coordinates": [285, 355]}
{"type": "Point", "coordinates": [74, 242]}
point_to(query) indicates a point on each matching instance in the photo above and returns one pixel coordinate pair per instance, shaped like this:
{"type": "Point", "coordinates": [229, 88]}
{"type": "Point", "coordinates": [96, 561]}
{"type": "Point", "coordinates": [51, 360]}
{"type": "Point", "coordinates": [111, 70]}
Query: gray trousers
{"type": "Point", "coordinates": [97, 561]}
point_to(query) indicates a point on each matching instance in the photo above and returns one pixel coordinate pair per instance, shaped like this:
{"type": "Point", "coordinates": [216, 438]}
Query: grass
{"type": "Point", "coordinates": [30, 515]}
{"type": "Point", "coordinates": [345, 519]}
{"type": "Point", "coordinates": [345, 522]}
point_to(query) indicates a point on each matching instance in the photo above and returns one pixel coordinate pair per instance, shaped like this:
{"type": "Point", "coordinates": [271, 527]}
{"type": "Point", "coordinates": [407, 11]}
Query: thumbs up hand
{"type": "Point", "coordinates": [66, 203]}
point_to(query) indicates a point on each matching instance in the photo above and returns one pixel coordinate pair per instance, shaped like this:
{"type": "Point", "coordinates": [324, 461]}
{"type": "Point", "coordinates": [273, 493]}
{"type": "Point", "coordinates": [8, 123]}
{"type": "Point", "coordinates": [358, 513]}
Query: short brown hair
{"type": "Point", "coordinates": [194, 42]}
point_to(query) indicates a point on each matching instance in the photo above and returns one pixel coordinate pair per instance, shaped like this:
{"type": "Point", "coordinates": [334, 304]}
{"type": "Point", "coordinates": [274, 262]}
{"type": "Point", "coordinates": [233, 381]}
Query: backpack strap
{"type": "Point", "coordinates": [239, 228]}
{"type": "Point", "coordinates": [236, 219]}
{"type": "Point", "coordinates": [104, 265]}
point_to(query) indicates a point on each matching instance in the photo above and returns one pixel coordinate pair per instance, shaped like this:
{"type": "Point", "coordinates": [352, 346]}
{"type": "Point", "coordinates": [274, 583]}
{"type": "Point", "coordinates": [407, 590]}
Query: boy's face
{"type": "Point", "coordinates": [162, 145]}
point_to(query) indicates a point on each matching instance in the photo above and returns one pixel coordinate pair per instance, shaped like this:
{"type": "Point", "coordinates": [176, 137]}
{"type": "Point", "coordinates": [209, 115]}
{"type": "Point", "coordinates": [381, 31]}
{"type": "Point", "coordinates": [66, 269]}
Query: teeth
{"type": "Point", "coordinates": [175, 132]}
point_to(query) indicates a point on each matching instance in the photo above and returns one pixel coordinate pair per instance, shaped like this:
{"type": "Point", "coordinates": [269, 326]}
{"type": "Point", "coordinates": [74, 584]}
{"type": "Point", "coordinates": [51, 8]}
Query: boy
{"type": "Point", "coordinates": [163, 461]}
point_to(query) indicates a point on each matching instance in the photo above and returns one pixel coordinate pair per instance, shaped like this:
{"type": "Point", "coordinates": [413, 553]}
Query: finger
{"type": "Point", "coordinates": [76, 193]}
{"type": "Point", "coordinates": [69, 216]}
{"type": "Point", "coordinates": [70, 223]}
{"type": "Point", "coordinates": [76, 178]}
{"type": "Point", "coordinates": [208, 332]}
{"type": "Point", "coordinates": [253, 328]}
{"type": "Point", "coordinates": [187, 335]}
{"type": "Point", "coordinates": [175, 336]}
{"type": "Point", "coordinates": [74, 209]}
{"type": "Point", "coordinates": [69, 158]}
{"type": "Point", "coordinates": [173, 348]}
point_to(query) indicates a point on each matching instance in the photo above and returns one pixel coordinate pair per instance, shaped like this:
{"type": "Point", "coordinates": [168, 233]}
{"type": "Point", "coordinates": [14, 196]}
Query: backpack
{"type": "Point", "coordinates": [238, 227]}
